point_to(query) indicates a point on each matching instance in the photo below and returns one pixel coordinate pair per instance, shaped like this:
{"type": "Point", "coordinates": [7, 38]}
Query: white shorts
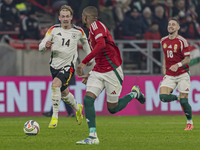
{"type": "Point", "coordinates": [98, 81]}
{"type": "Point", "coordinates": [182, 82]}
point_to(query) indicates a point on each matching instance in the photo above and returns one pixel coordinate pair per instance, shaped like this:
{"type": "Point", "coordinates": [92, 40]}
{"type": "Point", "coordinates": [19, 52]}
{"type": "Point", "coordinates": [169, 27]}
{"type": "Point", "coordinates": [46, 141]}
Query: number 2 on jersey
{"type": "Point", "coordinates": [169, 54]}
{"type": "Point", "coordinates": [67, 43]}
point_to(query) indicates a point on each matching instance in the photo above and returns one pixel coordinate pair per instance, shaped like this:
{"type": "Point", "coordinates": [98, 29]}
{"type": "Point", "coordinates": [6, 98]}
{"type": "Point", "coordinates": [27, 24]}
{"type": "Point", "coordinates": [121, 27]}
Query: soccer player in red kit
{"type": "Point", "coordinates": [176, 69]}
{"type": "Point", "coordinates": [107, 73]}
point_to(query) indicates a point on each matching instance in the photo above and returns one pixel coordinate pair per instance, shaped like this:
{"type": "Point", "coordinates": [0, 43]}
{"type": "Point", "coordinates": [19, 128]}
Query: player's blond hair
{"type": "Point", "coordinates": [66, 8]}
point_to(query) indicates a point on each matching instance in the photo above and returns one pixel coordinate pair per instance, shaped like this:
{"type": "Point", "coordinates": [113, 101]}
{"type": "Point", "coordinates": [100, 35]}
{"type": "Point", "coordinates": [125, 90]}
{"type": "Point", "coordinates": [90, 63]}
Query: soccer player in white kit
{"type": "Point", "coordinates": [63, 39]}
{"type": "Point", "coordinates": [176, 69]}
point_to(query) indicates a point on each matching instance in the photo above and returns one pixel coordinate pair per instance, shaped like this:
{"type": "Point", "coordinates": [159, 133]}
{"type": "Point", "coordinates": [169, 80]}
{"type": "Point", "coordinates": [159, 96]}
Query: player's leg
{"type": "Point", "coordinates": [55, 98]}
{"type": "Point", "coordinates": [113, 89]}
{"type": "Point", "coordinates": [113, 78]}
{"type": "Point", "coordinates": [69, 110]}
{"type": "Point", "coordinates": [69, 99]}
{"type": "Point", "coordinates": [114, 104]}
{"type": "Point", "coordinates": [90, 118]}
{"type": "Point", "coordinates": [93, 88]}
{"type": "Point", "coordinates": [166, 87]}
{"type": "Point", "coordinates": [187, 110]}
{"type": "Point", "coordinates": [67, 73]}
{"type": "Point", "coordinates": [184, 89]}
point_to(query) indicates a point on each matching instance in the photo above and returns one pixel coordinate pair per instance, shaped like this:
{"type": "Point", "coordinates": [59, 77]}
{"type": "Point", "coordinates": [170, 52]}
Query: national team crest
{"type": "Point", "coordinates": [164, 45]}
{"type": "Point", "coordinates": [175, 48]}
{"type": "Point", "coordinates": [74, 35]}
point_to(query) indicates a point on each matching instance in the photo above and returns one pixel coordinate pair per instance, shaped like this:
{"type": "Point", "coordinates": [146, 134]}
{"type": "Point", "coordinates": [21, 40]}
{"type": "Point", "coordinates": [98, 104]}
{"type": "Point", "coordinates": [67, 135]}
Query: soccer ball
{"type": "Point", "coordinates": [31, 127]}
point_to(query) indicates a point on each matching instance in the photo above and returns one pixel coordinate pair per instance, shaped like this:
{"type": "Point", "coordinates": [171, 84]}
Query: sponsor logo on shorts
{"type": "Point", "coordinates": [113, 92]}
{"type": "Point", "coordinates": [187, 89]}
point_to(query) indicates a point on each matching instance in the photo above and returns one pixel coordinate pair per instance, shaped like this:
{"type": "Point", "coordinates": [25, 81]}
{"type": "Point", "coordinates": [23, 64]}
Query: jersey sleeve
{"type": "Point", "coordinates": [100, 45]}
{"type": "Point", "coordinates": [99, 30]}
{"type": "Point", "coordinates": [84, 42]}
{"type": "Point", "coordinates": [48, 37]}
{"type": "Point", "coordinates": [185, 48]}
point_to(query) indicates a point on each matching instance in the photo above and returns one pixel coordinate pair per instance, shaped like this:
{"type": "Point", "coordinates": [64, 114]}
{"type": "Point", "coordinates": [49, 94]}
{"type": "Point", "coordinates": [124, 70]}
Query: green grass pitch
{"type": "Point", "coordinates": [114, 132]}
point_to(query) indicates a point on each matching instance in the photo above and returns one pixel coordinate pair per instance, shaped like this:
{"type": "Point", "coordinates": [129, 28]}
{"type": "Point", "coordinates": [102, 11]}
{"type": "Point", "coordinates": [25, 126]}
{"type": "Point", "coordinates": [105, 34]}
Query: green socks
{"type": "Point", "coordinates": [122, 103]}
{"type": "Point", "coordinates": [184, 103]}
{"type": "Point", "coordinates": [90, 111]}
{"type": "Point", "coordinates": [168, 98]}
{"type": "Point", "coordinates": [90, 115]}
{"type": "Point", "coordinates": [186, 108]}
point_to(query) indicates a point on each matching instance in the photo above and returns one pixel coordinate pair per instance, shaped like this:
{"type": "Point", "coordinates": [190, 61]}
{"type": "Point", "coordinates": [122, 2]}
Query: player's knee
{"type": "Point", "coordinates": [88, 101]}
{"type": "Point", "coordinates": [163, 97]}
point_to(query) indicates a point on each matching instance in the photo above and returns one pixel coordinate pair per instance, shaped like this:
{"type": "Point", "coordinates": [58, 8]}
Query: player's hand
{"type": "Point", "coordinates": [48, 44]}
{"type": "Point", "coordinates": [174, 67]}
{"type": "Point", "coordinates": [79, 69]}
{"type": "Point", "coordinates": [85, 78]}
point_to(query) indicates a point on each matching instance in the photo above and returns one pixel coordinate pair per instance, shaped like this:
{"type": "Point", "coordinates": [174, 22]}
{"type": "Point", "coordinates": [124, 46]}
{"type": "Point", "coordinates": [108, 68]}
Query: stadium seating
{"type": "Point", "coordinates": [32, 46]}
{"type": "Point", "coordinates": [17, 45]}
{"type": "Point", "coordinates": [24, 45]}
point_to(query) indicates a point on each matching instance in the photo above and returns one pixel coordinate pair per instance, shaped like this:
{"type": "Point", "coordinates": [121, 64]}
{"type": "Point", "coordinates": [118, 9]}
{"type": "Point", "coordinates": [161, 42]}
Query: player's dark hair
{"type": "Point", "coordinates": [174, 20]}
{"type": "Point", "coordinates": [91, 10]}
{"type": "Point", "coordinates": [66, 8]}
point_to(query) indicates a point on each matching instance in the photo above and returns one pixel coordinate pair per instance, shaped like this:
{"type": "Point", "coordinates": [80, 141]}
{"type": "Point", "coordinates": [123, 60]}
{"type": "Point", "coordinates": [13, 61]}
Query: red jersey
{"type": "Point", "coordinates": [175, 50]}
{"type": "Point", "coordinates": [103, 48]}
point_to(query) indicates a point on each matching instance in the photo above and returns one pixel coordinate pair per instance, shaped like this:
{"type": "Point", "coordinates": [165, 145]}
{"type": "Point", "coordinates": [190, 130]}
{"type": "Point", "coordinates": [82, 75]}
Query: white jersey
{"type": "Point", "coordinates": [64, 49]}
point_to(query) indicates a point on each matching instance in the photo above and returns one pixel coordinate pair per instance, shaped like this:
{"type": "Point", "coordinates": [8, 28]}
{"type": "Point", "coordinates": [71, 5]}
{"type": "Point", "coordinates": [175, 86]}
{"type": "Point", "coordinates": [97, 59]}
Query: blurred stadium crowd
{"type": "Point", "coordinates": [126, 19]}
{"type": "Point", "coordinates": [28, 20]}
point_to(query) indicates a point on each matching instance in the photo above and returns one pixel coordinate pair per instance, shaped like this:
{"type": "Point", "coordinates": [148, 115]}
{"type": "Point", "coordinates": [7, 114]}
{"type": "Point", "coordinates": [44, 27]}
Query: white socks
{"type": "Point", "coordinates": [69, 99]}
{"type": "Point", "coordinates": [190, 122]}
{"type": "Point", "coordinates": [55, 98]}
{"type": "Point", "coordinates": [93, 134]}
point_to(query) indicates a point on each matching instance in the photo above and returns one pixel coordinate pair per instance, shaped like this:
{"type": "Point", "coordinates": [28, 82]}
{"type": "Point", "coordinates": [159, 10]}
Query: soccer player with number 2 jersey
{"type": "Point", "coordinates": [176, 69]}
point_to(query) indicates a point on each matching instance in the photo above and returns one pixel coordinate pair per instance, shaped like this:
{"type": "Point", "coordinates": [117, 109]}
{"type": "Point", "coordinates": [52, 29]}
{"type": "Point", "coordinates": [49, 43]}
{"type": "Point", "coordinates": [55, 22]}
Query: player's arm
{"type": "Point", "coordinates": [86, 46]}
{"type": "Point", "coordinates": [84, 42]}
{"type": "Point", "coordinates": [164, 64]}
{"type": "Point", "coordinates": [100, 45]}
{"type": "Point", "coordinates": [99, 33]}
{"type": "Point", "coordinates": [46, 42]}
{"type": "Point", "coordinates": [184, 62]}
